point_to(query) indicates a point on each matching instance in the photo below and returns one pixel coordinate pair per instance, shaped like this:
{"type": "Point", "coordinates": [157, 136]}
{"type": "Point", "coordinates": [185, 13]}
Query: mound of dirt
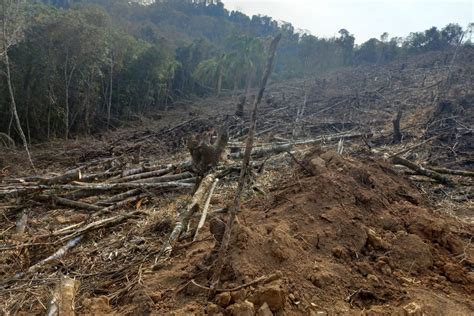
{"type": "Point", "coordinates": [353, 236]}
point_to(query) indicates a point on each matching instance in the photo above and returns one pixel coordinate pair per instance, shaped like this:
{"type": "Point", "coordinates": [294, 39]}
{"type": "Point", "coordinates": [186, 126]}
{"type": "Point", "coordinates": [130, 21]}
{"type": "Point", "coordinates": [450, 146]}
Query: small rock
{"type": "Point", "coordinates": [364, 268]}
{"type": "Point", "coordinates": [223, 299]}
{"type": "Point", "coordinates": [274, 295]}
{"type": "Point", "coordinates": [245, 308]}
{"type": "Point", "coordinates": [340, 252]}
{"type": "Point", "coordinates": [213, 309]}
{"type": "Point", "coordinates": [318, 165]}
{"type": "Point", "coordinates": [238, 296]}
{"type": "Point", "coordinates": [156, 297]}
{"type": "Point", "coordinates": [383, 267]}
{"type": "Point", "coordinates": [413, 309]}
{"type": "Point", "coordinates": [322, 279]}
{"type": "Point", "coordinates": [454, 273]}
{"type": "Point", "coordinates": [372, 278]}
{"type": "Point", "coordinates": [375, 241]}
{"type": "Point", "coordinates": [264, 310]}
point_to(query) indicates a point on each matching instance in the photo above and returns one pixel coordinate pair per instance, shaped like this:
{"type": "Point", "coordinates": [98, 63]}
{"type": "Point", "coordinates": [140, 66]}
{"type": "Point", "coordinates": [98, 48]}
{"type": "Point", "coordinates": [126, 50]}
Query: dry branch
{"type": "Point", "coordinates": [245, 164]}
{"type": "Point", "coordinates": [263, 279]}
{"type": "Point", "coordinates": [106, 222]}
{"type": "Point", "coordinates": [58, 254]}
{"type": "Point", "coordinates": [404, 151]}
{"type": "Point", "coordinates": [99, 176]}
{"type": "Point", "coordinates": [421, 170]}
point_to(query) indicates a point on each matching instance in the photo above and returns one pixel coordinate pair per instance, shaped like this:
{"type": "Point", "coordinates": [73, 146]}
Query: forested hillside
{"type": "Point", "coordinates": [78, 67]}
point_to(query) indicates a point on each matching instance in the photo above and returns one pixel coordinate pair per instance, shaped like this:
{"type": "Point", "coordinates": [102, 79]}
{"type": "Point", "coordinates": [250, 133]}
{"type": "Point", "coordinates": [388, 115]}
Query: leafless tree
{"type": "Point", "coordinates": [12, 26]}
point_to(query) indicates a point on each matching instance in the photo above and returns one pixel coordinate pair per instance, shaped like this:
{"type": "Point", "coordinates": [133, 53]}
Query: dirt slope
{"type": "Point", "coordinates": [355, 236]}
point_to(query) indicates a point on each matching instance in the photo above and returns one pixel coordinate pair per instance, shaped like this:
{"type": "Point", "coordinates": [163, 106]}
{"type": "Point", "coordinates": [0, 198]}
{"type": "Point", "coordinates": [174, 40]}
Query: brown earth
{"type": "Point", "coordinates": [354, 237]}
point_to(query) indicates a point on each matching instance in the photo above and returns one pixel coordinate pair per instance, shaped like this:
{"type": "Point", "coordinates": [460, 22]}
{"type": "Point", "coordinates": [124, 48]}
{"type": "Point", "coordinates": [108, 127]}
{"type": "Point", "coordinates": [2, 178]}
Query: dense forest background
{"type": "Point", "coordinates": [78, 67]}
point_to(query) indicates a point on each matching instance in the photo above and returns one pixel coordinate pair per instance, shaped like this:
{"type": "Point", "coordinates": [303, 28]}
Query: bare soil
{"type": "Point", "coordinates": [331, 234]}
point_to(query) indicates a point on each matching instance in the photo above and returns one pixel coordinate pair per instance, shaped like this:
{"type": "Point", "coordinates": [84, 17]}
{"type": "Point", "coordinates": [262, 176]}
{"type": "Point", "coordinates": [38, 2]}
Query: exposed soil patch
{"type": "Point", "coordinates": [356, 236]}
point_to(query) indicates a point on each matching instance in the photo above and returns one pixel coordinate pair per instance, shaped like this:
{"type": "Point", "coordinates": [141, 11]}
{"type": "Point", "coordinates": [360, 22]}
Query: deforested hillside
{"type": "Point", "coordinates": [178, 158]}
{"type": "Point", "coordinates": [338, 214]}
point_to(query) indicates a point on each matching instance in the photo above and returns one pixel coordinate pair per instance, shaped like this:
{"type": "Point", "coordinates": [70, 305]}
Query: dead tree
{"type": "Point", "coordinates": [12, 27]}
{"type": "Point", "coordinates": [243, 172]}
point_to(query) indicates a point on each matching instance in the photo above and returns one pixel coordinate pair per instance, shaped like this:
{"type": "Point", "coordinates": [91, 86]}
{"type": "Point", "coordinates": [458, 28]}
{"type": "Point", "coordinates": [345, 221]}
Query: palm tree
{"type": "Point", "coordinates": [212, 71]}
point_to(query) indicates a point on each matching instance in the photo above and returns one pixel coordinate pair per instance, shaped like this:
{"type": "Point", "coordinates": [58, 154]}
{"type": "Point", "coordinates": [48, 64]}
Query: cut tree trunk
{"type": "Point", "coordinates": [397, 134]}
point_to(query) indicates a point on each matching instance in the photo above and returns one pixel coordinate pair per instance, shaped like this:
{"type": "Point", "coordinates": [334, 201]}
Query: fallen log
{"type": "Point", "coordinates": [143, 168]}
{"type": "Point", "coordinates": [171, 178]}
{"type": "Point", "coordinates": [95, 225]}
{"type": "Point", "coordinates": [404, 151]}
{"type": "Point", "coordinates": [127, 186]}
{"type": "Point", "coordinates": [146, 168]}
{"type": "Point", "coordinates": [463, 173]}
{"type": "Point", "coordinates": [205, 209]}
{"type": "Point", "coordinates": [99, 176]}
{"type": "Point", "coordinates": [121, 196]}
{"type": "Point", "coordinates": [120, 204]}
{"type": "Point", "coordinates": [196, 204]}
{"type": "Point", "coordinates": [279, 148]}
{"type": "Point", "coordinates": [97, 187]}
{"type": "Point", "coordinates": [421, 170]}
{"type": "Point", "coordinates": [74, 175]}
{"type": "Point", "coordinates": [75, 204]}
{"type": "Point", "coordinates": [58, 254]}
{"type": "Point", "coordinates": [143, 175]}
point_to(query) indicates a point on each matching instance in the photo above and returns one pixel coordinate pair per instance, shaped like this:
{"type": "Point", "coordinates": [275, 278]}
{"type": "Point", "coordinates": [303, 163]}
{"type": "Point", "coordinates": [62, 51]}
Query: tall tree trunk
{"type": "Point", "coordinates": [67, 79]}
{"type": "Point", "coordinates": [13, 105]}
{"type": "Point", "coordinates": [249, 80]}
{"type": "Point", "coordinates": [219, 80]}
{"type": "Point", "coordinates": [109, 104]}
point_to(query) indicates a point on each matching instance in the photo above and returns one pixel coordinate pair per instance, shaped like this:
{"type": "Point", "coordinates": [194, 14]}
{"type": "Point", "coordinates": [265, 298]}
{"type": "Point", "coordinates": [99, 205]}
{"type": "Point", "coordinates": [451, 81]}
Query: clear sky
{"type": "Point", "coordinates": [363, 18]}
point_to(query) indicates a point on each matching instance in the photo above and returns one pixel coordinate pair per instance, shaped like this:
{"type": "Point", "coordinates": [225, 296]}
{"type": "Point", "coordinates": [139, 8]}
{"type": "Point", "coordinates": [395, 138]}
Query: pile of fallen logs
{"type": "Point", "coordinates": [111, 192]}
